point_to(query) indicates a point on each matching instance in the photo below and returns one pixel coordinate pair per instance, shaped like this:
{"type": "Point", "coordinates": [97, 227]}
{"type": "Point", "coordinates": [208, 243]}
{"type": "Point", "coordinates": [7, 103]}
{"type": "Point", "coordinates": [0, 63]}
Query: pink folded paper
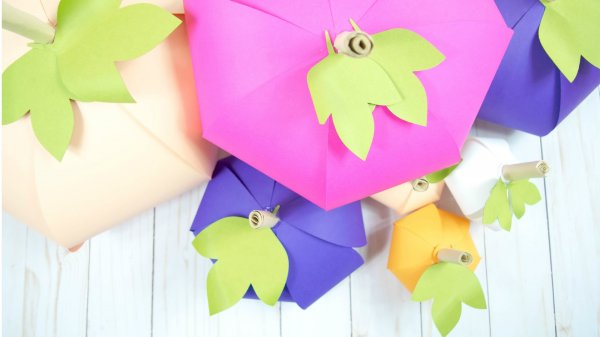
{"type": "Point", "coordinates": [404, 198]}
{"type": "Point", "coordinates": [123, 159]}
{"type": "Point", "coordinates": [251, 60]}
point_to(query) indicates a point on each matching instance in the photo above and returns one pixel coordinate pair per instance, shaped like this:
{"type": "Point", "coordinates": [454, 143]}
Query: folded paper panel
{"type": "Point", "coordinates": [173, 6]}
{"type": "Point", "coordinates": [404, 199]}
{"type": "Point", "coordinates": [122, 159]}
{"type": "Point", "coordinates": [246, 114]}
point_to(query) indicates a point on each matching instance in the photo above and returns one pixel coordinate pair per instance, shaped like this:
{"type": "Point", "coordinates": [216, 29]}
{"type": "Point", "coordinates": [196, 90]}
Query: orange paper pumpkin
{"type": "Point", "coordinates": [404, 199]}
{"type": "Point", "coordinates": [418, 237]}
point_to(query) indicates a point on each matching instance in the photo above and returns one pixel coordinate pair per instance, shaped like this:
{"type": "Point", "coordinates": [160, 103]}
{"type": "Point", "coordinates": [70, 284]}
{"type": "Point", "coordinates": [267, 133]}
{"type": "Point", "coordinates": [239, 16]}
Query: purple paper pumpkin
{"type": "Point", "coordinates": [318, 243]}
{"type": "Point", "coordinates": [529, 92]}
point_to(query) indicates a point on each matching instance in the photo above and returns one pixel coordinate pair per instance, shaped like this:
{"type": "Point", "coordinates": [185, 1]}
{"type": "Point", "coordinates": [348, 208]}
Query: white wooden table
{"type": "Point", "coordinates": [144, 278]}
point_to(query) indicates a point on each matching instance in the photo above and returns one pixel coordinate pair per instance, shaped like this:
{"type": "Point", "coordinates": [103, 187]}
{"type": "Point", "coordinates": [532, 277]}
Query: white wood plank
{"type": "Point", "coordinates": [54, 285]}
{"type": "Point", "coordinates": [180, 305]}
{"type": "Point", "coordinates": [328, 317]}
{"type": "Point", "coordinates": [120, 294]}
{"type": "Point", "coordinates": [518, 262]}
{"type": "Point", "coordinates": [14, 255]}
{"type": "Point", "coordinates": [381, 306]}
{"type": "Point", "coordinates": [573, 192]}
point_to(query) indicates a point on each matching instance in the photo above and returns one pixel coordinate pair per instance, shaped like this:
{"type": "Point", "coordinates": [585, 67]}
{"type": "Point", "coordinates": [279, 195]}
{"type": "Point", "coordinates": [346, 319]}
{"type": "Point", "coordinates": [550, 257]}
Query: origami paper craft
{"type": "Point", "coordinates": [529, 92]}
{"type": "Point", "coordinates": [257, 54]}
{"type": "Point", "coordinates": [489, 185]}
{"type": "Point", "coordinates": [123, 158]}
{"type": "Point", "coordinates": [410, 196]}
{"type": "Point", "coordinates": [242, 222]}
{"type": "Point", "coordinates": [433, 255]}
{"type": "Point", "coordinates": [79, 65]}
{"type": "Point", "coordinates": [173, 6]}
{"type": "Point", "coordinates": [348, 87]}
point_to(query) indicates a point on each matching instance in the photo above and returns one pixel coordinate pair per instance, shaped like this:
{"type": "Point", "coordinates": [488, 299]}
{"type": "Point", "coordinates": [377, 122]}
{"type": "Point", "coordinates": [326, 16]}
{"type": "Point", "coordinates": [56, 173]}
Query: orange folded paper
{"type": "Point", "coordinates": [418, 238]}
{"type": "Point", "coordinates": [404, 199]}
{"type": "Point", "coordinates": [123, 158]}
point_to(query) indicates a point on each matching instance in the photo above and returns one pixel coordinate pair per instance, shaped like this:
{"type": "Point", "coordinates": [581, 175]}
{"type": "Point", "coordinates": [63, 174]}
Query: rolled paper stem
{"type": "Point", "coordinates": [26, 25]}
{"type": "Point", "coordinates": [354, 44]}
{"type": "Point", "coordinates": [262, 219]}
{"type": "Point", "coordinates": [420, 185]}
{"type": "Point", "coordinates": [455, 256]}
{"type": "Point", "coordinates": [534, 169]}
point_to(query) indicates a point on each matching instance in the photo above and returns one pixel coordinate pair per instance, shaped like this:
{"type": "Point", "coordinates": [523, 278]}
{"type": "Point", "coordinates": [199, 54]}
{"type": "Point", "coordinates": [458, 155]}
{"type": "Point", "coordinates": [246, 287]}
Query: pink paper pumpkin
{"type": "Point", "coordinates": [251, 60]}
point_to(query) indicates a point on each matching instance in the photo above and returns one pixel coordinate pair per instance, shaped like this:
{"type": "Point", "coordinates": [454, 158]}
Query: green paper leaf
{"type": "Point", "coordinates": [570, 30]}
{"type": "Point", "coordinates": [497, 207]}
{"type": "Point", "coordinates": [449, 285]}
{"type": "Point", "coordinates": [349, 88]}
{"type": "Point", "coordinates": [32, 84]}
{"type": "Point", "coordinates": [401, 52]}
{"type": "Point", "coordinates": [245, 257]}
{"type": "Point", "coordinates": [522, 192]}
{"type": "Point", "coordinates": [88, 68]}
{"type": "Point", "coordinates": [79, 64]}
{"type": "Point", "coordinates": [440, 175]}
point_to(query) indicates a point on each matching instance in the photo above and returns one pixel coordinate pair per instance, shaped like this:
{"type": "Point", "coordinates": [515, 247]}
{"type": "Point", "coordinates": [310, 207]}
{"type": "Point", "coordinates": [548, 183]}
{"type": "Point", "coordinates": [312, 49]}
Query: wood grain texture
{"type": "Point", "coordinates": [144, 278]}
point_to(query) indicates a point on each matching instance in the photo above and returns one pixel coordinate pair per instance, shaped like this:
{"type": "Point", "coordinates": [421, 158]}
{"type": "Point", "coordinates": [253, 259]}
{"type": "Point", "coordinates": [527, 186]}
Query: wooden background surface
{"type": "Point", "coordinates": [144, 278]}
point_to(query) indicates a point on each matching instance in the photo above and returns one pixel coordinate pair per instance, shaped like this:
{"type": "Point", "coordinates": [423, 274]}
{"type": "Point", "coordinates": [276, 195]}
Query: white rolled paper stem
{"type": "Point", "coordinates": [354, 44]}
{"type": "Point", "coordinates": [262, 219]}
{"type": "Point", "coordinates": [420, 185]}
{"type": "Point", "coordinates": [534, 169]}
{"type": "Point", "coordinates": [455, 256]}
{"type": "Point", "coordinates": [26, 25]}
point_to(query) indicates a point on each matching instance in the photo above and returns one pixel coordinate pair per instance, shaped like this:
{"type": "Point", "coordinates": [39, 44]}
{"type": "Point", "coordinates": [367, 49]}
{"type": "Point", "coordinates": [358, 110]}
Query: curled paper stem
{"type": "Point", "coordinates": [262, 219]}
{"type": "Point", "coordinates": [26, 25]}
{"type": "Point", "coordinates": [534, 169]}
{"type": "Point", "coordinates": [354, 44]}
{"type": "Point", "coordinates": [455, 256]}
{"type": "Point", "coordinates": [420, 185]}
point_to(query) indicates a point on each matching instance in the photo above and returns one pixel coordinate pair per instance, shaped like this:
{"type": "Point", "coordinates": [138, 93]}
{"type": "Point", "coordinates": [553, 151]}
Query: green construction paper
{"type": "Point", "coordinates": [522, 192]}
{"type": "Point", "coordinates": [440, 175]}
{"type": "Point", "coordinates": [569, 30]}
{"type": "Point", "coordinates": [508, 198]}
{"type": "Point", "coordinates": [348, 89]}
{"type": "Point", "coordinates": [401, 52]}
{"type": "Point", "coordinates": [245, 257]}
{"type": "Point", "coordinates": [449, 285]}
{"type": "Point", "coordinates": [497, 207]}
{"type": "Point", "coordinates": [79, 64]}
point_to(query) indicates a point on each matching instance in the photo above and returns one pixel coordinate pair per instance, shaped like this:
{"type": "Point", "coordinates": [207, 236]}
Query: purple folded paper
{"type": "Point", "coordinates": [318, 243]}
{"type": "Point", "coordinates": [529, 92]}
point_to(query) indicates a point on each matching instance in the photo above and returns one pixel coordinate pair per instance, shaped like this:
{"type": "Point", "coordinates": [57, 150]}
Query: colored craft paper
{"type": "Point", "coordinates": [79, 65]}
{"type": "Point", "coordinates": [529, 91]}
{"type": "Point", "coordinates": [403, 199]}
{"type": "Point", "coordinates": [440, 175]}
{"type": "Point", "coordinates": [173, 6]}
{"type": "Point", "coordinates": [123, 158]}
{"type": "Point", "coordinates": [449, 285]}
{"type": "Point", "coordinates": [471, 182]}
{"type": "Point", "coordinates": [318, 243]}
{"type": "Point", "coordinates": [245, 256]}
{"type": "Point", "coordinates": [259, 108]}
{"type": "Point", "coordinates": [348, 88]}
{"type": "Point", "coordinates": [508, 198]}
{"type": "Point", "coordinates": [416, 240]}
{"type": "Point", "coordinates": [568, 31]}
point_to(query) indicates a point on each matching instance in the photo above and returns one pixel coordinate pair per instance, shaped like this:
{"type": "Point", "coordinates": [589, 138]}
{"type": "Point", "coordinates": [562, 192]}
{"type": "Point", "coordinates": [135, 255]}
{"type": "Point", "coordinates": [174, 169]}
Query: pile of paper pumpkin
{"type": "Point", "coordinates": [110, 107]}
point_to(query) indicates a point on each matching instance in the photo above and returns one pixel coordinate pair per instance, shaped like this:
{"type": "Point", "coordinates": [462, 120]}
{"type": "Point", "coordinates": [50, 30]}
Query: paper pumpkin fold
{"type": "Point", "coordinates": [529, 92]}
{"type": "Point", "coordinates": [479, 177]}
{"type": "Point", "coordinates": [404, 199]}
{"type": "Point", "coordinates": [259, 108]}
{"type": "Point", "coordinates": [417, 240]}
{"type": "Point", "coordinates": [123, 158]}
{"type": "Point", "coordinates": [319, 243]}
